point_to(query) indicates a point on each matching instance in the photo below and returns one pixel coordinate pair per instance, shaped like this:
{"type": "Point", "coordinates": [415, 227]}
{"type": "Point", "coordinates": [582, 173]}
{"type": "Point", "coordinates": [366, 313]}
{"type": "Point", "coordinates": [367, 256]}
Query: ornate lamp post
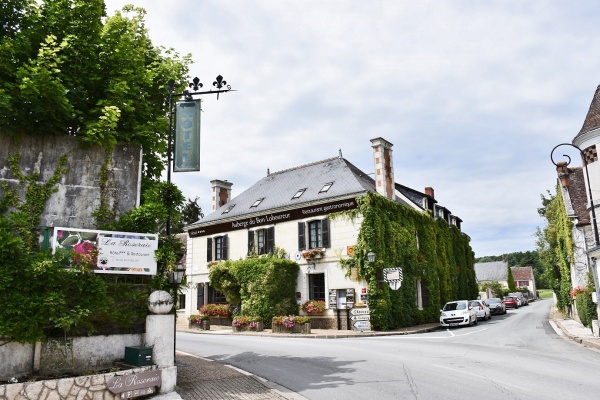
{"type": "Point", "coordinates": [222, 87]}
{"type": "Point", "coordinates": [563, 175]}
{"type": "Point", "coordinates": [176, 277]}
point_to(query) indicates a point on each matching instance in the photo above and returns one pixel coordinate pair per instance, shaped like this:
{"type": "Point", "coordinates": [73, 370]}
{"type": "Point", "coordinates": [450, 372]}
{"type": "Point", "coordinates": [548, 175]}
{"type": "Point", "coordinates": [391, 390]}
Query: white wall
{"type": "Point", "coordinates": [343, 233]}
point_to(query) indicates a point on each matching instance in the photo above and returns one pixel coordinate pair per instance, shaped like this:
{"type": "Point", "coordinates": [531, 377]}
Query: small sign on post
{"type": "Point", "coordinates": [360, 319]}
{"type": "Point", "coordinates": [394, 277]}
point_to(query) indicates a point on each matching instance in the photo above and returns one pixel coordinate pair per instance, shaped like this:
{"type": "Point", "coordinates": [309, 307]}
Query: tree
{"type": "Point", "coordinates": [66, 72]}
{"type": "Point", "coordinates": [191, 212]}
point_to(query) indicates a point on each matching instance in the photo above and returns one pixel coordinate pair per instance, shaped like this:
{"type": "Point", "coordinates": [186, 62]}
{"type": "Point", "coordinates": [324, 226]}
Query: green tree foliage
{"type": "Point", "coordinates": [190, 213]}
{"type": "Point", "coordinates": [510, 280]}
{"type": "Point", "coordinates": [267, 285]}
{"type": "Point", "coordinates": [495, 287]}
{"type": "Point", "coordinates": [66, 69]}
{"type": "Point", "coordinates": [427, 249]}
{"type": "Point", "coordinates": [555, 247]}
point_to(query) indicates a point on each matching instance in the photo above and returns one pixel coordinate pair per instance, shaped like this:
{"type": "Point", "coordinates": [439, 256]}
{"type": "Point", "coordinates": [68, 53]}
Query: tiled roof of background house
{"type": "Point", "coordinates": [578, 195]}
{"type": "Point", "coordinates": [522, 273]}
{"type": "Point", "coordinates": [491, 271]}
{"type": "Point", "coordinates": [592, 120]}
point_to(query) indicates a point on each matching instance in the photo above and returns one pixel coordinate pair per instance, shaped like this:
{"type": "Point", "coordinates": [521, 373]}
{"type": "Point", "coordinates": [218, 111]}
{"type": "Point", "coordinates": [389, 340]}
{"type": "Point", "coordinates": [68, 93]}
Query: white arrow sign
{"type": "Point", "coordinates": [362, 325]}
{"type": "Point", "coordinates": [360, 311]}
{"type": "Point", "coordinates": [360, 317]}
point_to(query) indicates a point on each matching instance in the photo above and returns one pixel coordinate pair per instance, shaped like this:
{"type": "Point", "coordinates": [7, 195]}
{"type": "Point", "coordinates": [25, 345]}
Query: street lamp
{"type": "Point", "coordinates": [371, 256]}
{"type": "Point", "coordinates": [563, 175]}
{"type": "Point", "coordinates": [175, 279]}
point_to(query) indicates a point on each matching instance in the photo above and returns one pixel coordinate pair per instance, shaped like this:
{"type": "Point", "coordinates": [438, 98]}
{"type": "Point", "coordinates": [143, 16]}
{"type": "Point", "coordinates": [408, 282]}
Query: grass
{"type": "Point", "coordinates": [545, 293]}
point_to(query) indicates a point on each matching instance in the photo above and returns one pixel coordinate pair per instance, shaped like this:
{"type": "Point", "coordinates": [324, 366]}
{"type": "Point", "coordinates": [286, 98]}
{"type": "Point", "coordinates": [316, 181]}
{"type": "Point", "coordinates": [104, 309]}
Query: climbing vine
{"type": "Point", "coordinates": [28, 212]}
{"type": "Point", "coordinates": [431, 253]}
{"type": "Point", "coordinates": [105, 213]}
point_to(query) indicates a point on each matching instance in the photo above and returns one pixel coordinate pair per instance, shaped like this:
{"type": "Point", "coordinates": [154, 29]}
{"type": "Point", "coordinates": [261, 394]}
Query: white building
{"type": "Point", "coordinates": [289, 210]}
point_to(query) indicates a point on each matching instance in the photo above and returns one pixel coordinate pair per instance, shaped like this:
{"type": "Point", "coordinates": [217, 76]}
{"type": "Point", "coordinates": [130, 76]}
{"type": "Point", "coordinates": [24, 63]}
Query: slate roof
{"type": "Point", "coordinates": [522, 273]}
{"type": "Point", "coordinates": [491, 271]}
{"type": "Point", "coordinates": [592, 119]}
{"type": "Point", "coordinates": [279, 188]}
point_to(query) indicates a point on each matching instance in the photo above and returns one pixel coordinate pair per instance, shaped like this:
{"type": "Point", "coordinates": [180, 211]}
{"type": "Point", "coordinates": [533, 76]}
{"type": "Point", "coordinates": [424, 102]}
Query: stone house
{"type": "Point", "coordinates": [524, 278]}
{"type": "Point", "coordinates": [289, 210]}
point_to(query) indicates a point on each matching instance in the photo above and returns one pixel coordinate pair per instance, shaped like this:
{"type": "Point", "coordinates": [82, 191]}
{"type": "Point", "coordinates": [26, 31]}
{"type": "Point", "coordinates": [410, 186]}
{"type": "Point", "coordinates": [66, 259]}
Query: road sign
{"type": "Point", "coordinates": [360, 317]}
{"type": "Point", "coordinates": [362, 325]}
{"type": "Point", "coordinates": [393, 274]}
{"type": "Point", "coordinates": [360, 311]}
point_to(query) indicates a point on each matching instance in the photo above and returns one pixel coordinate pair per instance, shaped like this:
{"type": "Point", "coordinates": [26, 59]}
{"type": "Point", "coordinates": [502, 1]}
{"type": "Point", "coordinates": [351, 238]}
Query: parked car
{"type": "Point", "coordinates": [456, 313]}
{"type": "Point", "coordinates": [482, 311]}
{"type": "Point", "coordinates": [511, 302]}
{"type": "Point", "coordinates": [520, 298]}
{"type": "Point", "coordinates": [496, 305]}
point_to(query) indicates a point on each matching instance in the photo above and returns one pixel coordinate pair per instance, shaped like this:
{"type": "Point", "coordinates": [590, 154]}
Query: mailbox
{"type": "Point", "coordinates": [138, 355]}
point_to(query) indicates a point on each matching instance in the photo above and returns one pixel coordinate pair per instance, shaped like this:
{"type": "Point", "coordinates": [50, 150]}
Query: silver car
{"type": "Point", "coordinates": [496, 305]}
{"type": "Point", "coordinates": [481, 309]}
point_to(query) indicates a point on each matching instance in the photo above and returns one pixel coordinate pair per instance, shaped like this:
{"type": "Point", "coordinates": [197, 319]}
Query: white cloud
{"type": "Point", "coordinates": [473, 95]}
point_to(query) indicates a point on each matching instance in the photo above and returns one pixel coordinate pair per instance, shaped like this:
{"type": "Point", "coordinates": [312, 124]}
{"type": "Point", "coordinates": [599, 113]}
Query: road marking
{"type": "Point", "coordinates": [482, 377]}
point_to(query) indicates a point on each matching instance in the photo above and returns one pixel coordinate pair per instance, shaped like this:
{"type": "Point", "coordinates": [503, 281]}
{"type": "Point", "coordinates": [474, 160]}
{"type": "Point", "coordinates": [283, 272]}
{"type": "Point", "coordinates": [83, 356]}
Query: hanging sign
{"type": "Point", "coordinates": [187, 136]}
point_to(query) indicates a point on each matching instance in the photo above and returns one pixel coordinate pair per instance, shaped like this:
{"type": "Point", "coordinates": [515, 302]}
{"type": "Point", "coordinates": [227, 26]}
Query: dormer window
{"type": "Point", "coordinates": [229, 209]}
{"type": "Point", "coordinates": [299, 193]}
{"type": "Point", "coordinates": [326, 187]}
{"type": "Point", "coordinates": [257, 202]}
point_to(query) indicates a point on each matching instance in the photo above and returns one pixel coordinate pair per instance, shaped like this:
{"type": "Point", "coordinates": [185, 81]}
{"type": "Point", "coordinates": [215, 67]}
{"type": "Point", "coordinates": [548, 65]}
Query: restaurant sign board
{"type": "Point", "coordinates": [272, 218]}
{"type": "Point", "coordinates": [134, 385]}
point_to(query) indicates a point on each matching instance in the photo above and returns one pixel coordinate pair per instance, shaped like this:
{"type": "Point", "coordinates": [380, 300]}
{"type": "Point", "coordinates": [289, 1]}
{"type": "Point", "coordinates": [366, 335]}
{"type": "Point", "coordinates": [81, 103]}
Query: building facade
{"type": "Point", "coordinates": [291, 211]}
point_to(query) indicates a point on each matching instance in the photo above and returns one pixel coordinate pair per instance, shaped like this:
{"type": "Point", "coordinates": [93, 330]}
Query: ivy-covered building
{"type": "Point", "coordinates": [327, 216]}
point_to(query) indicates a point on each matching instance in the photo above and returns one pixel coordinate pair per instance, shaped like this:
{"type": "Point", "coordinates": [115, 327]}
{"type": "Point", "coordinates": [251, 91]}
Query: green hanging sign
{"type": "Point", "coordinates": [187, 136]}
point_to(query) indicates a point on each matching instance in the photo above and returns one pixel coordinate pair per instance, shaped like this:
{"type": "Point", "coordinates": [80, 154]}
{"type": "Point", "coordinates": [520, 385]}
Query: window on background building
{"type": "Point", "coordinates": [181, 302]}
{"type": "Point", "coordinates": [316, 287]}
{"type": "Point", "coordinates": [317, 233]}
{"type": "Point", "coordinates": [216, 248]}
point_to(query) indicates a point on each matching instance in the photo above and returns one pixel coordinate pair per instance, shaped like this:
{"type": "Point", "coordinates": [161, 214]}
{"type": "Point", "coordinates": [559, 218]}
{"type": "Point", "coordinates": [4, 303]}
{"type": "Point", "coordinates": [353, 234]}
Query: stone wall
{"type": "Point", "coordinates": [78, 194]}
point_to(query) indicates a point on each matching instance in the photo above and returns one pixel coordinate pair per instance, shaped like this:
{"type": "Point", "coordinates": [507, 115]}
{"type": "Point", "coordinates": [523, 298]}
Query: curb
{"type": "Point", "coordinates": [589, 343]}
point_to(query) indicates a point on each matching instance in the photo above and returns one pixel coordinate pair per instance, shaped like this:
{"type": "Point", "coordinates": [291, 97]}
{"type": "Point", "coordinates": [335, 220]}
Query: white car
{"type": "Point", "coordinates": [482, 310]}
{"type": "Point", "coordinates": [456, 313]}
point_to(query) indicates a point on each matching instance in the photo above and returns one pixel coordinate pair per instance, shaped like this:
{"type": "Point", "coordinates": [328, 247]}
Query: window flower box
{"type": "Point", "coordinates": [312, 254]}
{"type": "Point", "coordinates": [314, 306]}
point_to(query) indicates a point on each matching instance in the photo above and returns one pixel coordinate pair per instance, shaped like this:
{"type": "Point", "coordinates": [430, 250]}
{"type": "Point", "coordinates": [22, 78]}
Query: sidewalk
{"type": "Point", "coordinates": [203, 379]}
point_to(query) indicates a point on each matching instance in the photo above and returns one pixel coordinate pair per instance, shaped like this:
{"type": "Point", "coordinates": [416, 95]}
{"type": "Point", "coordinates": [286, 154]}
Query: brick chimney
{"type": "Point", "coordinates": [384, 167]}
{"type": "Point", "coordinates": [429, 192]}
{"type": "Point", "coordinates": [221, 193]}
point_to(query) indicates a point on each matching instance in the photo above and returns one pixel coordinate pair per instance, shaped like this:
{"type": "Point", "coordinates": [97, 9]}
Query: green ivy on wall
{"type": "Point", "coordinates": [28, 211]}
{"type": "Point", "coordinates": [428, 250]}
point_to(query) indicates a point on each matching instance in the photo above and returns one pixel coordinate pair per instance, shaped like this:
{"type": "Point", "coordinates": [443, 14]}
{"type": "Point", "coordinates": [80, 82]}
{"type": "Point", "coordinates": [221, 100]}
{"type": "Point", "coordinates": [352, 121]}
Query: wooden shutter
{"type": "Point", "coordinates": [301, 236]}
{"type": "Point", "coordinates": [225, 244]}
{"type": "Point", "coordinates": [270, 240]}
{"type": "Point", "coordinates": [325, 232]}
{"type": "Point", "coordinates": [250, 241]}
{"type": "Point", "coordinates": [209, 251]}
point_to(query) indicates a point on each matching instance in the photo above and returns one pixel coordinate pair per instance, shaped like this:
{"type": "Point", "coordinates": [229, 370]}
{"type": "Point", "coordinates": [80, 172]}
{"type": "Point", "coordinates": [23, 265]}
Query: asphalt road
{"type": "Point", "coordinates": [515, 356]}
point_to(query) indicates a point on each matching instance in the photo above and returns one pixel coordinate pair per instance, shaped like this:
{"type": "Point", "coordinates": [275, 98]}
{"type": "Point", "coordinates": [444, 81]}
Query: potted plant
{"type": "Point", "coordinates": [219, 313]}
{"type": "Point", "coordinates": [301, 324]}
{"type": "Point", "coordinates": [200, 321]}
{"type": "Point", "coordinates": [314, 306]}
{"type": "Point", "coordinates": [255, 324]}
{"type": "Point", "coordinates": [240, 323]}
{"type": "Point", "coordinates": [313, 253]}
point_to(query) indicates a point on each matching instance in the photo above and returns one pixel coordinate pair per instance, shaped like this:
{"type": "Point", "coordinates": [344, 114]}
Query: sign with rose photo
{"type": "Point", "coordinates": [111, 252]}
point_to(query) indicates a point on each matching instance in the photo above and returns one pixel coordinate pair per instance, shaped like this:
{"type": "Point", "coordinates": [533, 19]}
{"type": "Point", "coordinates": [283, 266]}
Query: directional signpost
{"type": "Point", "coordinates": [360, 319]}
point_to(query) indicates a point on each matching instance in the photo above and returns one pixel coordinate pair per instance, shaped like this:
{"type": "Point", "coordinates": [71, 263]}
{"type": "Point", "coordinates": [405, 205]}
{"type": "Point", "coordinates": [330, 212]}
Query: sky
{"type": "Point", "coordinates": [473, 95]}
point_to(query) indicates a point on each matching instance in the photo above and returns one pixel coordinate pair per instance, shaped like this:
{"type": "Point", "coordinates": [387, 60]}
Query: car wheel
{"type": "Point", "coordinates": [476, 322]}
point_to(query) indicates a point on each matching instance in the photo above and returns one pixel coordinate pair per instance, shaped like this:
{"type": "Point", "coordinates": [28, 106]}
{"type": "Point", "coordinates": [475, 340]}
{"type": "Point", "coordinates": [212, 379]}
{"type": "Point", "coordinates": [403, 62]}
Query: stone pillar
{"type": "Point", "coordinates": [160, 335]}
